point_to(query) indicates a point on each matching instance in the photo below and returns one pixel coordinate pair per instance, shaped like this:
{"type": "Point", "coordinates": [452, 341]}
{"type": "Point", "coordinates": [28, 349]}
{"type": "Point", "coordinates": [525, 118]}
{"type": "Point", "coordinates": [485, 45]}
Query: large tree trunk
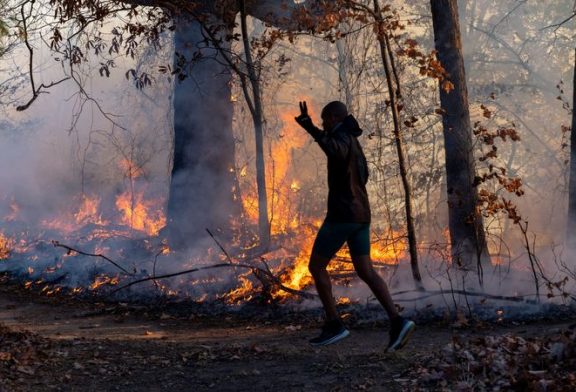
{"type": "Point", "coordinates": [203, 169]}
{"type": "Point", "coordinates": [467, 234]}
{"type": "Point", "coordinates": [571, 227]}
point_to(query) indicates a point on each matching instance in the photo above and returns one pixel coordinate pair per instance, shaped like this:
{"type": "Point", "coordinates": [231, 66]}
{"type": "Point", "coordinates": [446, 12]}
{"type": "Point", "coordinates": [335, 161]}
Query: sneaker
{"type": "Point", "coordinates": [332, 331]}
{"type": "Point", "coordinates": [400, 331]}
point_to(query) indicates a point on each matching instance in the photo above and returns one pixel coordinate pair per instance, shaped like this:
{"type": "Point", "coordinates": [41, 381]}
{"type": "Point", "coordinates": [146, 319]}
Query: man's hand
{"type": "Point", "coordinates": [303, 109]}
{"type": "Point", "coordinates": [303, 119]}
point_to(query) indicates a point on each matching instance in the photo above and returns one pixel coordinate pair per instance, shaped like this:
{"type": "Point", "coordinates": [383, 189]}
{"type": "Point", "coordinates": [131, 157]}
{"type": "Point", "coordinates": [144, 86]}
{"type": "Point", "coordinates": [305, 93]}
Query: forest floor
{"type": "Point", "coordinates": [68, 344]}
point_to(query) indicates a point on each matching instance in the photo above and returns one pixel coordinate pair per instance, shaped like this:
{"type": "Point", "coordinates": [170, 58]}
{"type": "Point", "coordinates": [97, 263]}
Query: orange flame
{"type": "Point", "coordinates": [88, 211]}
{"type": "Point", "coordinates": [243, 292]}
{"type": "Point", "coordinates": [140, 214]}
{"type": "Point", "coordinates": [283, 186]}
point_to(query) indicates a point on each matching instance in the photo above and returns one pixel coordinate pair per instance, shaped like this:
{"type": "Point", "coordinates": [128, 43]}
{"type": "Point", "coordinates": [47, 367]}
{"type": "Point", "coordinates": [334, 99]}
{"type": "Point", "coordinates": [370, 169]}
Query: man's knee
{"type": "Point", "coordinates": [366, 274]}
{"type": "Point", "coordinates": [317, 264]}
{"type": "Point", "coordinates": [364, 269]}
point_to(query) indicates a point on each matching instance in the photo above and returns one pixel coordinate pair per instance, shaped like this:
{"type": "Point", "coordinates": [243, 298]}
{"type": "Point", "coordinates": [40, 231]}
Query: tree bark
{"type": "Point", "coordinates": [467, 236]}
{"type": "Point", "coordinates": [203, 169]}
{"type": "Point", "coordinates": [571, 227]}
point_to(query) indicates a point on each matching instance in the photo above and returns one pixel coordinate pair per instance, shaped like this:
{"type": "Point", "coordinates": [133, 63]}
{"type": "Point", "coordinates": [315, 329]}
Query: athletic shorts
{"type": "Point", "coordinates": [332, 235]}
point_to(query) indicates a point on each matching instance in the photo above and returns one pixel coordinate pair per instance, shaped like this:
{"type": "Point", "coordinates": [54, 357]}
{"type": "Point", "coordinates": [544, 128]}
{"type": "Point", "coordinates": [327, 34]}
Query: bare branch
{"type": "Point", "coordinates": [70, 249]}
{"type": "Point", "coordinates": [39, 91]}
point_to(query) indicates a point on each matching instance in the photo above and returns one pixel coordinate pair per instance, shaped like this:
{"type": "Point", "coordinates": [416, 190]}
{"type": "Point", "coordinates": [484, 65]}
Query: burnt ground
{"type": "Point", "coordinates": [69, 344]}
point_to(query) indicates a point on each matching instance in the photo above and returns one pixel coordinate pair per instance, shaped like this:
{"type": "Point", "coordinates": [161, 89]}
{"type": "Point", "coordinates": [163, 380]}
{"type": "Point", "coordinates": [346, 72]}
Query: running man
{"type": "Point", "coordinates": [347, 220]}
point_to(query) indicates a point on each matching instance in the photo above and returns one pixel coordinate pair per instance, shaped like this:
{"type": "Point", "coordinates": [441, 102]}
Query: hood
{"type": "Point", "coordinates": [351, 126]}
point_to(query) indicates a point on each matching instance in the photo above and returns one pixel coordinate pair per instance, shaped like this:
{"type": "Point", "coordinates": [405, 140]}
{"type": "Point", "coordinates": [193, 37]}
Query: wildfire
{"type": "Point", "coordinates": [283, 185]}
{"type": "Point", "coordinates": [344, 301]}
{"type": "Point", "coordinates": [388, 253]}
{"type": "Point", "coordinates": [243, 292]}
{"type": "Point", "coordinates": [88, 211]}
{"type": "Point", "coordinates": [6, 245]}
{"type": "Point", "coordinates": [298, 276]}
{"type": "Point", "coordinates": [140, 214]}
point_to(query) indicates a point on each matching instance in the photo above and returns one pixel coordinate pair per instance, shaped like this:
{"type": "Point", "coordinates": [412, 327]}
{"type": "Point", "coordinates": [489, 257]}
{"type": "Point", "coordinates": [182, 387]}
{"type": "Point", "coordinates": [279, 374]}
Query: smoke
{"type": "Point", "coordinates": [118, 141]}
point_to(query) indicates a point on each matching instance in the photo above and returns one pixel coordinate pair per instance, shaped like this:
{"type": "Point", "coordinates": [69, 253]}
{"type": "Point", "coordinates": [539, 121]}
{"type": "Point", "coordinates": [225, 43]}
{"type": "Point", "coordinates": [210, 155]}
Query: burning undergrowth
{"type": "Point", "coordinates": [110, 242]}
{"type": "Point", "coordinates": [113, 247]}
{"type": "Point", "coordinates": [111, 239]}
{"type": "Point", "coordinates": [99, 246]}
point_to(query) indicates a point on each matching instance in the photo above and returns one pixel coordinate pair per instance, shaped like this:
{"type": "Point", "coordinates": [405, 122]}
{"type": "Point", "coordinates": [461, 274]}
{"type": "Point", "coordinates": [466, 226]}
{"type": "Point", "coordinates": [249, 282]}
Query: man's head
{"type": "Point", "coordinates": [332, 114]}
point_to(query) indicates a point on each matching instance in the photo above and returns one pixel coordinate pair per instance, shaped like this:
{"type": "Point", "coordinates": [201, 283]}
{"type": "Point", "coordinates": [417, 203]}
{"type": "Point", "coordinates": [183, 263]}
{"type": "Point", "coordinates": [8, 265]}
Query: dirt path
{"type": "Point", "coordinates": [84, 347]}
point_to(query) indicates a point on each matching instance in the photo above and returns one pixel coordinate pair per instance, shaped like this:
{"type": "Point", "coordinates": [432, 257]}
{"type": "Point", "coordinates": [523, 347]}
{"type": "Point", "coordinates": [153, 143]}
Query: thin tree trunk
{"type": "Point", "coordinates": [202, 175]}
{"type": "Point", "coordinates": [255, 106]}
{"type": "Point", "coordinates": [467, 234]}
{"type": "Point", "coordinates": [386, 57]}
{"type": "Point", "coordinates": [393, 65]}
{"type": "Point", "coordinates": [343, 67]}
{"type": "Point", "coordinates": [571, 228]}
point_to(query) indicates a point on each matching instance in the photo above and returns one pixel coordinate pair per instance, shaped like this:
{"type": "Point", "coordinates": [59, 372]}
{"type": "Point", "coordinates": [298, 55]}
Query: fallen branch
{"type": "Point", "coordinates": [171, 275]}
{"type": "Point", "coordinates": [428, 294]}
{"type": "Point", "coordinates": [57, 244]}
{"type": "Point", "coordinates": [258, 273]}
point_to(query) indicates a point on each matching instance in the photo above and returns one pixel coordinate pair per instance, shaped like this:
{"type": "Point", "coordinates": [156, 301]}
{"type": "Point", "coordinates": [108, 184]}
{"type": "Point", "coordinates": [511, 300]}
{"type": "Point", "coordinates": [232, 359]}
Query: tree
{"type": "Point", "coordinates": [254, 102]}
{"type": "Point", "coordinates": [467, 236]}
{"type": "Point", "coordinates": [571, 227]}
{"type": "Point", "coordinates": [202, 174]}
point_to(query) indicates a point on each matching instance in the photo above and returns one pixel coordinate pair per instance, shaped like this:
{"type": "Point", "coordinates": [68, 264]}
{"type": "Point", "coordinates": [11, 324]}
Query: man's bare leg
{"type": "Point", "coordinates": [366, 272]}
{"type": "Point", "coordinates": [317, 268]}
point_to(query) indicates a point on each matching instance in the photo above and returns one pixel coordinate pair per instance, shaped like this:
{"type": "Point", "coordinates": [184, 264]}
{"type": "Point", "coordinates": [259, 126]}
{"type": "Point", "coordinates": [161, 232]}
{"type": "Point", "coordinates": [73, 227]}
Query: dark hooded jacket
{"type": "Point", "coordinates": [347, 170]}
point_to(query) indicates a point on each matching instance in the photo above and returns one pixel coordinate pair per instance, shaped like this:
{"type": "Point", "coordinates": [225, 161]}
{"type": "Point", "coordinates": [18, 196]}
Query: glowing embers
{"type": "Point", "coordinates": [102, 280]}
{"type": "Point", "coordinates": [141, 214]}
